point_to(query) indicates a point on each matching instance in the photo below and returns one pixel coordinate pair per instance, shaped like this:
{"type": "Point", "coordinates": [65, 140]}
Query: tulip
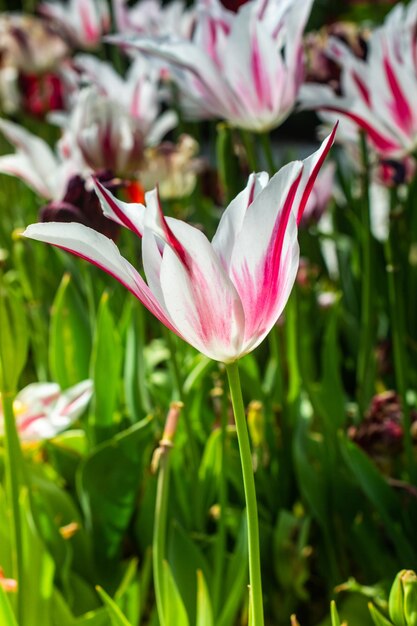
{"type": "Point", "coordinates": [152, 18]}
{"type": "Point", "coordinates": [42, 410]}
{"type": "Point", "coordinates": [379, 93]}
{"type": "Point", "coordinates": [82, 21]}
{"type": "Point", "coordinates": [138, 93]}
{"type": "Point", "coordinates": [222, 297]}
{"type": "Point", "coordinates": [243, 67]}
{"type": "Point", "coordinates": [35, 163]}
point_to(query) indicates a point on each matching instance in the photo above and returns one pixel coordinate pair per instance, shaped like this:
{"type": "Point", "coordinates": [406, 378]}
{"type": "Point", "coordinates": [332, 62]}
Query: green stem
{"type": "Point", "coordinates": [267, 150]}
{"type": "Point", "coordinates": [248, 142]}
{"type": "Point", "coordinates": [255, 582]}
{"type": "Point", "coordinates": [292, 333]}
{"type": "Point", "coordinates": [364, 373]}
{"type": "Point", "coordinates": [13, 463]}
{"type": "Point", "coordinates": [398, 334]}
{"type": "Point", "coordinates": [159, 530]}
{"type": "Point", "coordinates": [220, 548]}
{"type": "Point", "coordinates": [179, 395]}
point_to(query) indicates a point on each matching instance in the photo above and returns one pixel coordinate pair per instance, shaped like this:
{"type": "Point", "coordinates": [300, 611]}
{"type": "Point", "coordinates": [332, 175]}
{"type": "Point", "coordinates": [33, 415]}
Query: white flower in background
{"type": "Point", "coordinates": [35, 163]}
{"type": "Point", "coordinates": [100, 133]}
{"type": "Point", "coordinates": [154, 19]}
{"type": "Point", "coordinates": [83, 22]}
{"type": "Point", "coordinates": [378, 94]}
{"type": "Point", "coordinates": [244, 67]}
{"type": "Point", "coordinates": [139, 93]}
{"type": "Point", "coordinates": [42, 410]}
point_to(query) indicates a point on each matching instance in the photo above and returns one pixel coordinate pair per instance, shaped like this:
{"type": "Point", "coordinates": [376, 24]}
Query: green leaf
{"type": "Point", "coordinates": [7, 617]}
{"type": "Point", "coordinates": [377, 617]}
{"type": "Point", "coordinates": [38, 572]}
{"type": "Point", "coordinates": [135, 375]}
{"type": "Point", "coordinates": [185, 560]}
{"type": "Point", "coordinates": [334, 614]}
{"type": "Point", "coordinates": [116, 616]}
{"type": "Point", "coordinates": [236, 579]}
{"type": "Point", "coordinates": [204, 609]}
{"type": "Point", "coordinates": [70, 339]}
{"type": "Point", "coordinates": [174, 609]}
{"type": "Point", "coordinates": [381, 495]}
{"type": "Point", "coordinates": [108, 481]}
{"type": "Point", "coordinates": [106, 364]}
{"type": "Point", "coordinates": [13, 338]}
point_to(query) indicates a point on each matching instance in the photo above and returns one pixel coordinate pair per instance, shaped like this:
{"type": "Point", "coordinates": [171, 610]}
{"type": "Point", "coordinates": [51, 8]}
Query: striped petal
{"type": "Point", "coordinates": [130, 215]}
{"type": "Point", "coordinates": [198, 295]}
{"type": "Point", "coordinates": [232, 219]}
{"type": "Point", "coordinates": [265, 257]}
{"type": "Point", "coordinates": [94, 247]}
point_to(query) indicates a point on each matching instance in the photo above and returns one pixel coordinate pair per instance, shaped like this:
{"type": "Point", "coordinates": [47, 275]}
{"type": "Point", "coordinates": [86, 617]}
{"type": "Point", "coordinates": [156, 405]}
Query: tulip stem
{"type": "Point", "coordinates": [255, 582]}
{"type": "Point", "coordinates": [248, 142]}
{"type": "Point", "coordinates": [365, 356]}
{"type": "Point", "coordinates": [159, 530]}
{"type": "Point", "coordinates": [268, 153]}
{"type": "Point", "coordinates": [396, 308]}
{"type": "Point", "coordinates": [13, 461]}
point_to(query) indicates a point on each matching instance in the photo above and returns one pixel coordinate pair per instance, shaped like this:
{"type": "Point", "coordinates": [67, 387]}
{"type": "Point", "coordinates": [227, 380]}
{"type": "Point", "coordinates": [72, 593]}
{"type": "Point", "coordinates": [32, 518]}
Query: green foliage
{"type": "Point", "coordinates": [70, 338]}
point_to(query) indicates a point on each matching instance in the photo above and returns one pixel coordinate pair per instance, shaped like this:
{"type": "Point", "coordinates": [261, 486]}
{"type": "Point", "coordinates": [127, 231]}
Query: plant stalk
{"type": "Point", "coordinates": [13, 461]}
{"type": "Point", "coordinates": [364, 382]}
{"type": "Point", "coordinates": [255, 582]}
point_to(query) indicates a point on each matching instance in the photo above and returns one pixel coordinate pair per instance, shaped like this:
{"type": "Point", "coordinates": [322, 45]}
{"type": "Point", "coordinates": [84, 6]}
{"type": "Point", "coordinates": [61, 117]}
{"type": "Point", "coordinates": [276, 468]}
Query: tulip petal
{"type": "Point", "coordinates": [232, 219]}
{"type": "Point", "coordinates": [312, 166]}
{"type": "Point", "coordinates": [130, 215]}
{"type": "Point", "coordinates": [102, 252]}
{"type": "Point", "coordinates": [58, 414]}
{"type": "Point", "coordinates": [198, 295]}
{"type": "Point", "coordinates": [265, 257]}
{"type": "Point", "coordinates": [34, 161]}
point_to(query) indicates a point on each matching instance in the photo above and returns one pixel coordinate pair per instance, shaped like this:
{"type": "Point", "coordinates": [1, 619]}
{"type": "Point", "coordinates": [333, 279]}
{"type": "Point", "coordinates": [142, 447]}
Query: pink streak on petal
{"type": "Point", "coordinates": [263, 291]}
{"type": "Point", "coordinates": [400, 107]}
{"type": "Point", "coordinates": [314, 173]}
{"type": "Point", "coordinates": [142, 293]}
{"type": "Point", "coordinates": [115, 207]}
{"type": "Point", "coordinates": [363, 89]}
{"type": "Point", "coordinates": [90, 29]}
{"type": "Point", "coordinates": [260, 79]}
{"type": "Point", "coordinates": [382, 144]}
{"type": "Point", "coordinates": [25, 422]}
{"type": "Point", "coordinates": [171, 238]}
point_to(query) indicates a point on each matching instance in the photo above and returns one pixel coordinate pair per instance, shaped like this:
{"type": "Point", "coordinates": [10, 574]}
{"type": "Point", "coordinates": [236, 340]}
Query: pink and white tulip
{"type": "Point", "coordinates": [221, 297]}
{"type": "Point", "coordinates": [35, 163]}
{"type": "Point", "coordinates": [243, 67]}
{"type": "Point", "coordinates": [83, 22]}
{"type": "Point", "coordinates": [138, 92]}
{"type": "Point", "coordinates": [154, 19]}
{"type": "Point", "coordinates": [379, 93]}
{"type": "Point", "coordinates": [42, 410]}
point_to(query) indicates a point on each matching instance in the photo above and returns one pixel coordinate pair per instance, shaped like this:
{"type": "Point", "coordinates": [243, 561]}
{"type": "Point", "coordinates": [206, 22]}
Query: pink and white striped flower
{"type": "Point", "coordinates": [379, 93]}
{"type": "Point", "coordinates": [42, 410]}
{"type": "Point", "coordinates": [222, 297]}
{"type": "Point", "coordinates": [152, 18]}
{"type": "Point", "coordinates": [83, 22]}
{"type": "Point", "coordinates": [35, 163]}
{"type": "Point", "coordinates": [243, 67]}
